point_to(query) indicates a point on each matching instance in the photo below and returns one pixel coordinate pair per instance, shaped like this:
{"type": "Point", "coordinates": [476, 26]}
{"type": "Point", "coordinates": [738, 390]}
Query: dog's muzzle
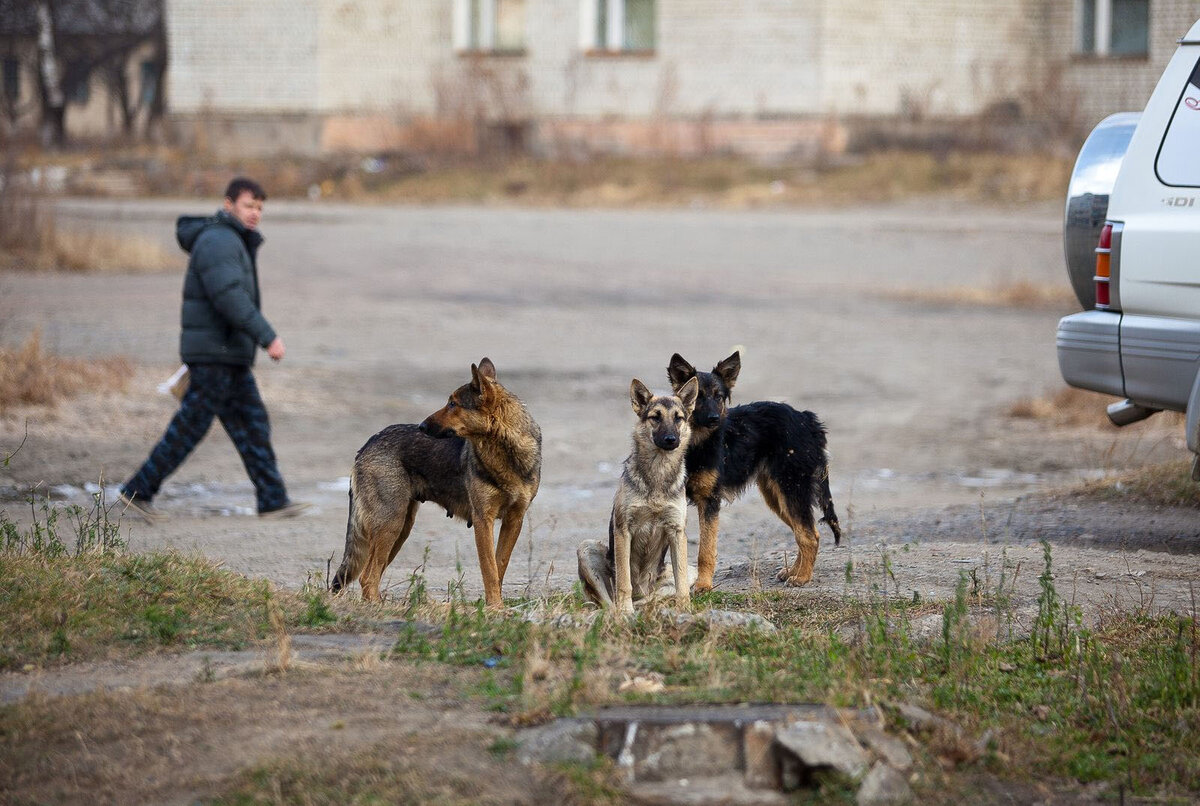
{"type": "Point", "coordinates": [431, 429]}
{"type": "Point", "coordinates": [667, 442]}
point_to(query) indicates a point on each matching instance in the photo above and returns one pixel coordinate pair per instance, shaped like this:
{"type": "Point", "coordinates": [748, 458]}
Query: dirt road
{"type": "Point", "coordinates": [384, 309]}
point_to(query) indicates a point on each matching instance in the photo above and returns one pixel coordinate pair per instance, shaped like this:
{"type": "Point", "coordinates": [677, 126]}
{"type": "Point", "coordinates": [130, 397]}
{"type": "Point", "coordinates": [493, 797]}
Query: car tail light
{"type": "Point", "coordinates": [1103, 277]}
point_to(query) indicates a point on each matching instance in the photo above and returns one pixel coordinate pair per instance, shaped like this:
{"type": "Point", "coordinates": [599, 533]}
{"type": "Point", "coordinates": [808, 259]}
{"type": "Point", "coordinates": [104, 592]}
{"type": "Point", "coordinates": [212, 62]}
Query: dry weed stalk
{"type": "Point", "coordinates": [283, 642]}
{"type": "Point", "coordinates": [368, 661]}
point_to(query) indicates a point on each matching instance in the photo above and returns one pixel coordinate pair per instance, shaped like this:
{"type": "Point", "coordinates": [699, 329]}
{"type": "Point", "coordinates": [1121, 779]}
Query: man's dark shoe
{"type": "Point", "coordinates": [289, 510]}
{"type": "Point", "coordinates": [141, 509]}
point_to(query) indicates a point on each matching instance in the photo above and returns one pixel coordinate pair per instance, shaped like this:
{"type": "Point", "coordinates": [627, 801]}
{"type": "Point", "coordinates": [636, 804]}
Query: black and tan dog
{"type": "Point", "coordinates": [479, 457]}
{"type": "Point", "coordinates": [772, 444]}
{"type": "Point", "coordinates": [649, 514]}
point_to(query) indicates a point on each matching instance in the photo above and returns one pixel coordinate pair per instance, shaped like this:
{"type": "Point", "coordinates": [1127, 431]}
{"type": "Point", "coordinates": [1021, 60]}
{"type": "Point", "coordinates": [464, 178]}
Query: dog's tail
{"type": "Point", "coordinates": [355, 554]}
{"type": "Point", "coordinates": [825, 499]}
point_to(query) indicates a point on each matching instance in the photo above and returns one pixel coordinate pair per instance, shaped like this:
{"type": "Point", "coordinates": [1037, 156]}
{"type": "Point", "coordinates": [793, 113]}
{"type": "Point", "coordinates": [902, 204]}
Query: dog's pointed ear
{"type": "Point", "coordinates": [687, 395]}
{"type": "Point", "coordinates": [678, 372]}
{"type": "Point", "coordinates": [487, 369]}
{"type": "Point", "coordinates": [639, 395]}
{"type": "Point", "coordinates": [479, 381]}
{"type": "Point", "coordinates": [728, 369]}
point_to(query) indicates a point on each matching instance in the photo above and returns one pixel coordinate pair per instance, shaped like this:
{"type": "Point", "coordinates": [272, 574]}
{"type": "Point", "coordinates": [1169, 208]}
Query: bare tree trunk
{"type": "Point", "coordinates": [158, 103]}
{"type": "Point", "coordinates": [54, 107]}
{"type": "Point", "coordinates": [115, 77]}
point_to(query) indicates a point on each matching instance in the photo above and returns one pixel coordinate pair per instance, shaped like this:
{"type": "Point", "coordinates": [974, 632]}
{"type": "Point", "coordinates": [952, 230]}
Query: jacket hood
{"type": "Point", "coordinates": [189, 227]}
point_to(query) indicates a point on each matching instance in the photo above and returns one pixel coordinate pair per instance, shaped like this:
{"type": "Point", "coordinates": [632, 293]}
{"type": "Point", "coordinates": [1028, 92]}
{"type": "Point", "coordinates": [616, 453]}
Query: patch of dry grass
{"type": "Point", "coordinates": [89, 250]}
{"type": "Point", "coordinates": [51, 248]}
{"type": "Point", "coordinates": [1017, 294]}
{"type": "Point", "coordinates": [1067, 406]}
{"type": "Point", "coordinates": [1169, 484]}
{"type": "Point", "coordinates": [724, 181]}
{"type": "Point", "coordinates": [30, 376]}
{"type": "Point", "coordinates": [32, 240]}
{"type": "Point", "coordinates": [599, 181]}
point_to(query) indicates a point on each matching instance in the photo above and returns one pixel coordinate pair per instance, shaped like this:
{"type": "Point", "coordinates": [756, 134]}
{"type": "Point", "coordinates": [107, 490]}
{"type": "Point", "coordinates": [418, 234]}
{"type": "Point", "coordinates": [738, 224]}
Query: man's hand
{"type": "Point", "coordinates": [276, 349]}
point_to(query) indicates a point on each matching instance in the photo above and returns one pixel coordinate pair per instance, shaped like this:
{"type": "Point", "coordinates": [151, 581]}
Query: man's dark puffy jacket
{"type": "Point", "coordinates": [222, 323]}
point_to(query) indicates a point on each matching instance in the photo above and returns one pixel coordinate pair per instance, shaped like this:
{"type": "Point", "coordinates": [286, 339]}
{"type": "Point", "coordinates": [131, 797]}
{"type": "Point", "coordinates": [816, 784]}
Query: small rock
{"type": "Point", "coordinates": [566, 621]}
{"type": "Point", "coordinates": [642, 684]}
{"type": "Point", "coordinates": [883, 785]}
{"type": "Point", "coordinates": [886, 747]}
{"type": "Point", "coordinates": [817, 744]}
{"type": "Point", "coordinates": [731, 619]}
{"type": "Point", "coordinates": [560, 740]}
{"type": "Point", "coordinates": [678, 619]}
{"type": "Point", "coordinates": [927, 628]}
{"type": "Point", "coordinates": [918, 718]}
{"type": "Point", "coordinates": [724, 619]}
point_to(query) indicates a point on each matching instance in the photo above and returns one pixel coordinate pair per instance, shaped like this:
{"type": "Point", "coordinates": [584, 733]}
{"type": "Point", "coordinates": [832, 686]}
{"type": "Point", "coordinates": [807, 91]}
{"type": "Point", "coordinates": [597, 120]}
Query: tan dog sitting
{"type": "Point", "coordinates": [649, 513]}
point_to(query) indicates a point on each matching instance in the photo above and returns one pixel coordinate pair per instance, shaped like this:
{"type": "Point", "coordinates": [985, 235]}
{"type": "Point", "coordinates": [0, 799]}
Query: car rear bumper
{"type": "Point", "coordinates": [1089, 351]}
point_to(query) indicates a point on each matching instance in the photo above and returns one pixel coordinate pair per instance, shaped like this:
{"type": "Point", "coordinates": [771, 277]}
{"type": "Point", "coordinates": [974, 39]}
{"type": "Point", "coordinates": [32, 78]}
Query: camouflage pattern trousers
{"type": "Point", "coordinates": [216, 391]}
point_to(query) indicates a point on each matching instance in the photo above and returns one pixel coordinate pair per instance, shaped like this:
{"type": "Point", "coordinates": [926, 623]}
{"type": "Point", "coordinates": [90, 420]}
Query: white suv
{"type": "Point", "coordinates": [1132, 238]}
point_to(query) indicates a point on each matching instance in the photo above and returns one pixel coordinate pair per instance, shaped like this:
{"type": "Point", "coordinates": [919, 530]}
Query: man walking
{"type": "Point", "coordinates": [223, 326]}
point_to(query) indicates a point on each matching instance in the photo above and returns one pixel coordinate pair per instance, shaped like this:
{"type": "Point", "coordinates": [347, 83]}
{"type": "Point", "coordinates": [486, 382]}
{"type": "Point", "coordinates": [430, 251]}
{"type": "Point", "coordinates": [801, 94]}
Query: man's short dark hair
{"type": "Point", "coordinates": [240, 185]}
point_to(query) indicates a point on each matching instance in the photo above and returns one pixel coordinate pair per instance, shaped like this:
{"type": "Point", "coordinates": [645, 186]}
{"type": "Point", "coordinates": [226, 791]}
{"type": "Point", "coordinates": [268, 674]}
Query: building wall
{"type": "Point", "coordinates": [367, 74]}
{"type": "Point", "coordinates": [933, 58]}
{"type": "Point", "coordinates": [759, 60]}
{"type": "Point", "coordinates": [396, 56]}
{"type": "Point", "coordinates": [230, 56]}
{"type": "Point", "coordinates": [1091, 88]}
{"type": "Point", "coordinates": [380, 55]}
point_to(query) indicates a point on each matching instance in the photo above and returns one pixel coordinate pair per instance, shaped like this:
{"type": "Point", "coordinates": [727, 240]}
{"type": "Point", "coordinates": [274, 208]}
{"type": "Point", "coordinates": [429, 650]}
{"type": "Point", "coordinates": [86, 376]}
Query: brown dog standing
{"type": "Point", "coordinates": [479, 457]}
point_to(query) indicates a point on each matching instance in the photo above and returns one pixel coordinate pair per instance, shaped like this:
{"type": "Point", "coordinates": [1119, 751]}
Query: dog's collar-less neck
{"type": "Point", "coordinates": [672, 462]}
{"type": "Point", "coordinates": [506, 453]}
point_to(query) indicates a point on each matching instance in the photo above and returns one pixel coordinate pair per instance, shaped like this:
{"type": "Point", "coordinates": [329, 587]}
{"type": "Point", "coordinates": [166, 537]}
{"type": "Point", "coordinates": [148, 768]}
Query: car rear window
{"type": "Point", "coordinates": [1178, 163]}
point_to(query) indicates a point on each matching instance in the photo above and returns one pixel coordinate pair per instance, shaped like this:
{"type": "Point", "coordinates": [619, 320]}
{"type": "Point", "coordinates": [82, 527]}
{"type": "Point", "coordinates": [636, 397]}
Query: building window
{"type": "Point", "coordinates": [489, 25]}
{"type": "Point", "coordinates": [618, 25]}
{"type": "Point", "coordinates": [12, 80]}
{"type": "Point", "coordinates": [1113, 27]}
{"type": "Point", "coordinates": [149, 77]}
{"type": "Point", "coordinates": [80, 89]}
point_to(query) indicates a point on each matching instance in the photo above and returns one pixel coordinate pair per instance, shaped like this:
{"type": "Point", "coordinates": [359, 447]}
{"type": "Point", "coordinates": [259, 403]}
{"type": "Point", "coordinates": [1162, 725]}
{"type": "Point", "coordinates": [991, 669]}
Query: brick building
{"type": "Point", "coordinates": [771, 78]}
